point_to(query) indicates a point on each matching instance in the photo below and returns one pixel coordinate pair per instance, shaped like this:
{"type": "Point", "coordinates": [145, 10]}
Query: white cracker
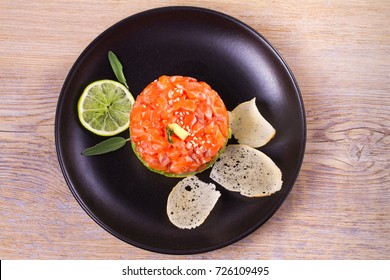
{"type": "Point", "coordinates": [248, 171]}
{"type": "Point", "coordinates": [249, 127]}
{"type": "Point", "coordinates": [190, 202]}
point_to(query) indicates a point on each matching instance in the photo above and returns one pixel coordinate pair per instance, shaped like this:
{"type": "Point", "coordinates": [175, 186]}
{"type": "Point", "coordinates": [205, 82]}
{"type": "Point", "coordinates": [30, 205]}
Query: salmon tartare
{"type": "Point", "coordinates": [178, 126]}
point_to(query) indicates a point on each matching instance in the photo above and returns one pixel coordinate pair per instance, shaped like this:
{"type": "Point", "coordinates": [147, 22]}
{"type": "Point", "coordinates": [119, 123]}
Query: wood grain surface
{"type": "Point", "coordinates": [339, 52]}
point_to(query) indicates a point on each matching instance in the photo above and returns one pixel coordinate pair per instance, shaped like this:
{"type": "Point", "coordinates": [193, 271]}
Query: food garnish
{"type": "Point", "coordinates": [247, 170]}
{"type": "Point", "coordinates": [104, 107]}
{"type": "Point", "coordinates": [178, 130]}
{"type": "Point", "coordinates": [106, 146]}
{"type": "Point", "coordinates": [169, 135]}
{"type": "Point", "coordinates": [117, 67]}
{"type": "Point", "coordinates": [249, 127]}
{"type": "Point", "coordinates": [190, 202]}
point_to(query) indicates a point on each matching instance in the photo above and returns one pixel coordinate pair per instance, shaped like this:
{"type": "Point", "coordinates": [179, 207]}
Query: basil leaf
{"type": "Point", "coordinates": [117, 68]}
{"type": "Point", "coordinates": [106, 146]}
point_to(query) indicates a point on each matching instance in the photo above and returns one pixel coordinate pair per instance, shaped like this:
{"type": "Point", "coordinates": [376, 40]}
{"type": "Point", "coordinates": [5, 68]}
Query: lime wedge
{"type": "Point", "coordinates": [104, 107]}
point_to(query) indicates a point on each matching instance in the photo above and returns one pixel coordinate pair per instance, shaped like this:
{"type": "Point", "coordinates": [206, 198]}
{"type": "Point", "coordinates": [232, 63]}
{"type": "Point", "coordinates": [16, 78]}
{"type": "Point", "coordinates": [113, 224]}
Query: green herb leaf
{"type": "Point", "coordinates": [169, 134]}
{"type": "Point", "coordinates": [106, 146]}
{"type": "Point", "coordinates": [117, 68]}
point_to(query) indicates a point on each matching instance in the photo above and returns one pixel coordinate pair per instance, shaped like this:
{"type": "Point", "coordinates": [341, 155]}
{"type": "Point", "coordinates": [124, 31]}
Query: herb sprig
{"type": "Point", "coordinates": [106, 146]}
{"type": "Point", "coordinates": [114, 143]}
{"type": "Point", "coordinates": [117, 67]}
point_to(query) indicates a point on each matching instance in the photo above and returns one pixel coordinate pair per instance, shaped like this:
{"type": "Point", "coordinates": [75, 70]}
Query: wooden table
{"type": "Point", "coordinates": [339, 52]}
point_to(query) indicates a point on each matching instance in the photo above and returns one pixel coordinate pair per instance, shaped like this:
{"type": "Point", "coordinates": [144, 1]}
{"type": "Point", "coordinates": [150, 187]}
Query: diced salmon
{"type": "Point", "coordinates": [195, 107]}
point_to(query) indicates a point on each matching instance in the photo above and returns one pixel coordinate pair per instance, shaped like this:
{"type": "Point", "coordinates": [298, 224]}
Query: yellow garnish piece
{"type": "Point", "coordinates": [178, 130]}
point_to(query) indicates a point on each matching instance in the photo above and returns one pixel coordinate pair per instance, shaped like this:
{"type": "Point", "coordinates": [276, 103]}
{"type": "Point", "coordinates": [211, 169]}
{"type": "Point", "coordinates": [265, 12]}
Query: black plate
{"type": "Point", "coordinates": [115, 189]}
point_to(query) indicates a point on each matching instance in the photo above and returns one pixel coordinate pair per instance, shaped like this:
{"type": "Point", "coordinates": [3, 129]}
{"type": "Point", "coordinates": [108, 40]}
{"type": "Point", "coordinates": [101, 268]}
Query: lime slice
{"type": "Point", "coordinates": [104, 107]}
